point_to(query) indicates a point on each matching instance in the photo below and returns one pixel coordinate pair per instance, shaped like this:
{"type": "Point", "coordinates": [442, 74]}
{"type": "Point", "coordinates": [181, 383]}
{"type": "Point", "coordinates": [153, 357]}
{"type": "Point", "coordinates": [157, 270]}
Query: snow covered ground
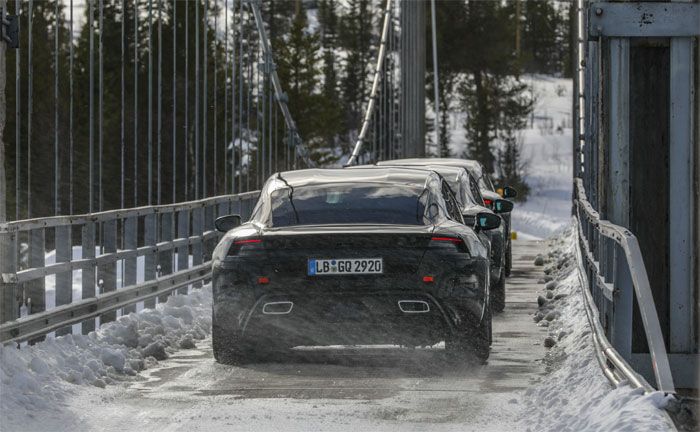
{"type": "Point", "coordinates": [36, 381]}
{"type": "Point", "coordinates": [575, 395]}
{"type": "Point", "coordinates": [116, 379]}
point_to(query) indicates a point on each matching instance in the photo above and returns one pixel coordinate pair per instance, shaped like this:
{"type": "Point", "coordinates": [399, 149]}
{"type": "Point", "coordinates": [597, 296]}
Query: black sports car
{"type": "Point", "coordinates": [351, 256]}
{"type": "Point", "coordinates": [501, 245]}
{"type": "Point", "coordinates": [466, 190]}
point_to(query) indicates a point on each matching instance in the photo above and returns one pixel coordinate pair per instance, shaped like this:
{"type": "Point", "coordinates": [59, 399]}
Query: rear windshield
{"type": "Point", "coordinates": [460, 188]}
{"type": "Point", "coordinates": [354, 204]}
{"type": "Point", "coordinates": [485, 183]}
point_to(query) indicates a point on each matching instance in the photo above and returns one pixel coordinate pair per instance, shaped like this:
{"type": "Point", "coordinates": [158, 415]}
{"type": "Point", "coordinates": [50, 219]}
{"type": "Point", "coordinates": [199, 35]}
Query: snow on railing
{"type": "Point", "coordinates": [174, 240]}
{"type": "Point", "coordinates": [611, 261]}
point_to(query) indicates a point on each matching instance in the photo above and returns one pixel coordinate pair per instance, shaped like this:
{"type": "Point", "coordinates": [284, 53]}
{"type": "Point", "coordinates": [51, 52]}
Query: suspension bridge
{"type": "Point", "coordinates": [179, 160]}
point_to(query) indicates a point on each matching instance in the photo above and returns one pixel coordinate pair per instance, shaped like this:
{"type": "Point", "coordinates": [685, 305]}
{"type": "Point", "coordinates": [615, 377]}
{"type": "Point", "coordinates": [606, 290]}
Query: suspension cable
{"type": "Point", "coordinates": [301, 150]}
{"type": "Point", "coordinates": [375, 86]}
{"type": "Point", "coordinates": [435, 77]}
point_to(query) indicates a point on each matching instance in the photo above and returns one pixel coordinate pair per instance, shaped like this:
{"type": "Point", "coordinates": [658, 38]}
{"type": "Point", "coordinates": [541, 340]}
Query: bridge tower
{"type": "Point", "coordinates": [639, 158]}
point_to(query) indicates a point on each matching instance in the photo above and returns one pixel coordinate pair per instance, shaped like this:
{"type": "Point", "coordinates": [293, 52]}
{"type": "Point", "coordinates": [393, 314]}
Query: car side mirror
{"type": "Point", "coordinates": [487, 221]}
{"type": "Point", "coordinates": [226, 223]}
{"type": "Point", "coordinates": [509, 192]}
{"type": "Point", "coordinates": [502, 206]}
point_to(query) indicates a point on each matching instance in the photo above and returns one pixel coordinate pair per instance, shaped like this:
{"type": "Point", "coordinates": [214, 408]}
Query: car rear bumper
{"type": "Point", "coordinates": [349, 309]}
{"type": "Point", "coordinates": [396, 318]}
{"type": "Point", "coordinates": [292, 318]}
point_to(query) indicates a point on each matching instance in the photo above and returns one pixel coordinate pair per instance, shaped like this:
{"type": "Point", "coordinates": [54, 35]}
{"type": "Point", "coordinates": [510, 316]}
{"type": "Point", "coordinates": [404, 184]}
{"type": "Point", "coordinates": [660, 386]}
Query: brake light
{"type": "Point", "coordinates": [428, 279]}
{"type": "Point", "coordinates": [262, 280]}
{"type": "Point", "coordinates": [488, 202]}
{"type": "Point", "coordinates": [448, 239]}
{"type": "Point", "coordinates": [247, 241]}
{"type": "Point", "coordinates": [242, 244]}
{"type": "Point", "coordinates": [456, 241]}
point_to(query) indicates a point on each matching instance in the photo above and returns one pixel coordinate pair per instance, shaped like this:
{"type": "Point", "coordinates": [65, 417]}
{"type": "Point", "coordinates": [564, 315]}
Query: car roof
{"type": "Point", "coordinates": [370, 174]}
{"type": "Point", "coordinates": [447, 171]}
{"type": "Point", "coordinates": [469, 164]}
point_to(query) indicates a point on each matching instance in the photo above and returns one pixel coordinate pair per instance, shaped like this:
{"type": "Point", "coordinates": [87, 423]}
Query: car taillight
{"type": "Point", "coordinates": [242, 244]}
{"type": "Point", "coordinates": [488, 202]}
{"type": "Point", "coordinates": [247, 241]}
{"type": "Point", "coordinates": [456, 241]}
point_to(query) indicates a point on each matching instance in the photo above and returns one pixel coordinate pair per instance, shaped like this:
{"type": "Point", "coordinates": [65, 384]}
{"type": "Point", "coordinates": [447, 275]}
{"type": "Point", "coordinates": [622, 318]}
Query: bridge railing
{"type": "Point", "coordinates": [112, 259]}
{"type": "Point", "coordinates": [615, 271]}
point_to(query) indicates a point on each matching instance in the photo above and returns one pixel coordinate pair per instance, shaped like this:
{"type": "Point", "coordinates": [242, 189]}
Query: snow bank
{"type": "Point", "coordinates": [575, 395]}
{"type": "Point", "coordinates": [39, 377]}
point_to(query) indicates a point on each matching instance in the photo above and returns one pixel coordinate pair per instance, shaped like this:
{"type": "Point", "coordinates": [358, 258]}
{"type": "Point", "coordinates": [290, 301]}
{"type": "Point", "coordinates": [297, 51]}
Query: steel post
{"type": "Point", "coordinates": [165, 258]}
{"type": "Point", "coordinates": [88, 272]}
{"type": "Point", "coordinates": [149, 238]}
{"type": "Point", "coordinates": [9, 303]}
{"type": "Point", "coordinates": [130, 228]}
{"type": "Point", "coordinates": [619, 171]}
{"type": "Point", "coordinates": [681, 200]}
{"type": "Point", "coordinates": [107, 273]}
{"type": "Point", "coordinates": [183, 252]}
{"type": "Point", "coordinates": [64, 280]}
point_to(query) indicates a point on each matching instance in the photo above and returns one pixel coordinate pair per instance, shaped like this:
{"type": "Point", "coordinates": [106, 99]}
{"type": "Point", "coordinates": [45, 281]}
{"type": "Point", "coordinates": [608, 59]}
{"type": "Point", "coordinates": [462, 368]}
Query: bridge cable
{"type": "Point", "coordinates": [435, 78]}
{"type": "Point", "coordinates": [174, 130]}
{"type": "Point", "coordinates": [150, 103]}
{"type": "Point", "coordinates": [186, 141]}
{"type": "Point", "coordinates": [205, 96]}
{"type": "Point", "coordinates": [300, 149]}
{"type": "Point", "coordinates": [375, 87]}
{"type": "Point", "coordinates": [136, 104]}
{"type": "Point", "coordinates": [226, 97]}
{"type": "Point", "coordinates": [122, 154]}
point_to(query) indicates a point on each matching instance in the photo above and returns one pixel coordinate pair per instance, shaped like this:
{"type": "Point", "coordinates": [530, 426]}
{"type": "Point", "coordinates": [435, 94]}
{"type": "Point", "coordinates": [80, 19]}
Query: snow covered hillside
{"type": "Point", "coordinates": [547, 151]}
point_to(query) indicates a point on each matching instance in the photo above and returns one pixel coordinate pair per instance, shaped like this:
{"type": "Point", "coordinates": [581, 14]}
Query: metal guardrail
{"type": "Point", "coordinates": [175, 240]}
{"type": "Point", "coordinates": [612, 263]}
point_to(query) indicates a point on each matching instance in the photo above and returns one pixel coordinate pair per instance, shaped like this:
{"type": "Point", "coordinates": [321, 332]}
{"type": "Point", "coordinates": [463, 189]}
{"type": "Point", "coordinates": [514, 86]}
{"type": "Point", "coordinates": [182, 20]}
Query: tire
{"type": "Point", "coordinates": [475, 340]}
{"type": "Point", "coordinates": [498, 294]}
{"type": "Point", "coordinates": [227, 348]}
{"type": "Point", "coordinates": [509, 259]}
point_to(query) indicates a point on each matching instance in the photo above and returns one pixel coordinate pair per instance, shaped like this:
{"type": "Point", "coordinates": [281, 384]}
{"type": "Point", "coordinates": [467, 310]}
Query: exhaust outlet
{"type": "Point", "coordinates": [277, 308]}
{"type": "Point", "coordinates": [414, 306]}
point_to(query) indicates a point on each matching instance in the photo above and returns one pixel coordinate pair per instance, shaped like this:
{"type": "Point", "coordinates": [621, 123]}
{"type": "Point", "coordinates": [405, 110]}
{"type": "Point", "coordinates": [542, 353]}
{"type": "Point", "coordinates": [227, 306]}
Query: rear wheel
{"type": "Point", "coordinates": [475, 340]}
{"type": "Point", "coordinates": [509, 259]}
{"type": "Point", "coordinates": [228, 348]}
{"type": "Point", "coordinates": [498, 294]}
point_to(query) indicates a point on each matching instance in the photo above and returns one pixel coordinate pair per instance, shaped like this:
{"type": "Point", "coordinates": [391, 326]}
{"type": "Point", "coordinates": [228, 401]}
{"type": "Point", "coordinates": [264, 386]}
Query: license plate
{"type": "Point", "coordinates": [341, 266]}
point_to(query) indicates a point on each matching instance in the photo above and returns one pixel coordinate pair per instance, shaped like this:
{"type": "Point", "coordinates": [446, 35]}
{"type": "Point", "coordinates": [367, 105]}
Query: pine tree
{"type": "Point", "coordinates": [489, 41]}
{"type": "Point", "coordinates": [328, 21]}
{"type": "Point", "coordinates": [299, 67]}
{"type": "Point", "coordinates": [42, 112]}
{"type": "Point", "coordinates": [450, 24]}
{"type": "Point", "coordinates": [355, 36]}
{"type": "Point", "coordinates": [514, 111]}
{"type": "Point", "coordinates": [541, 37]}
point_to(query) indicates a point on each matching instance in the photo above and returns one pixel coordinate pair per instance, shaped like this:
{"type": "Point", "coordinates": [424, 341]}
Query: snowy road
{"type": "Point", "coordinates": [371, 389]}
